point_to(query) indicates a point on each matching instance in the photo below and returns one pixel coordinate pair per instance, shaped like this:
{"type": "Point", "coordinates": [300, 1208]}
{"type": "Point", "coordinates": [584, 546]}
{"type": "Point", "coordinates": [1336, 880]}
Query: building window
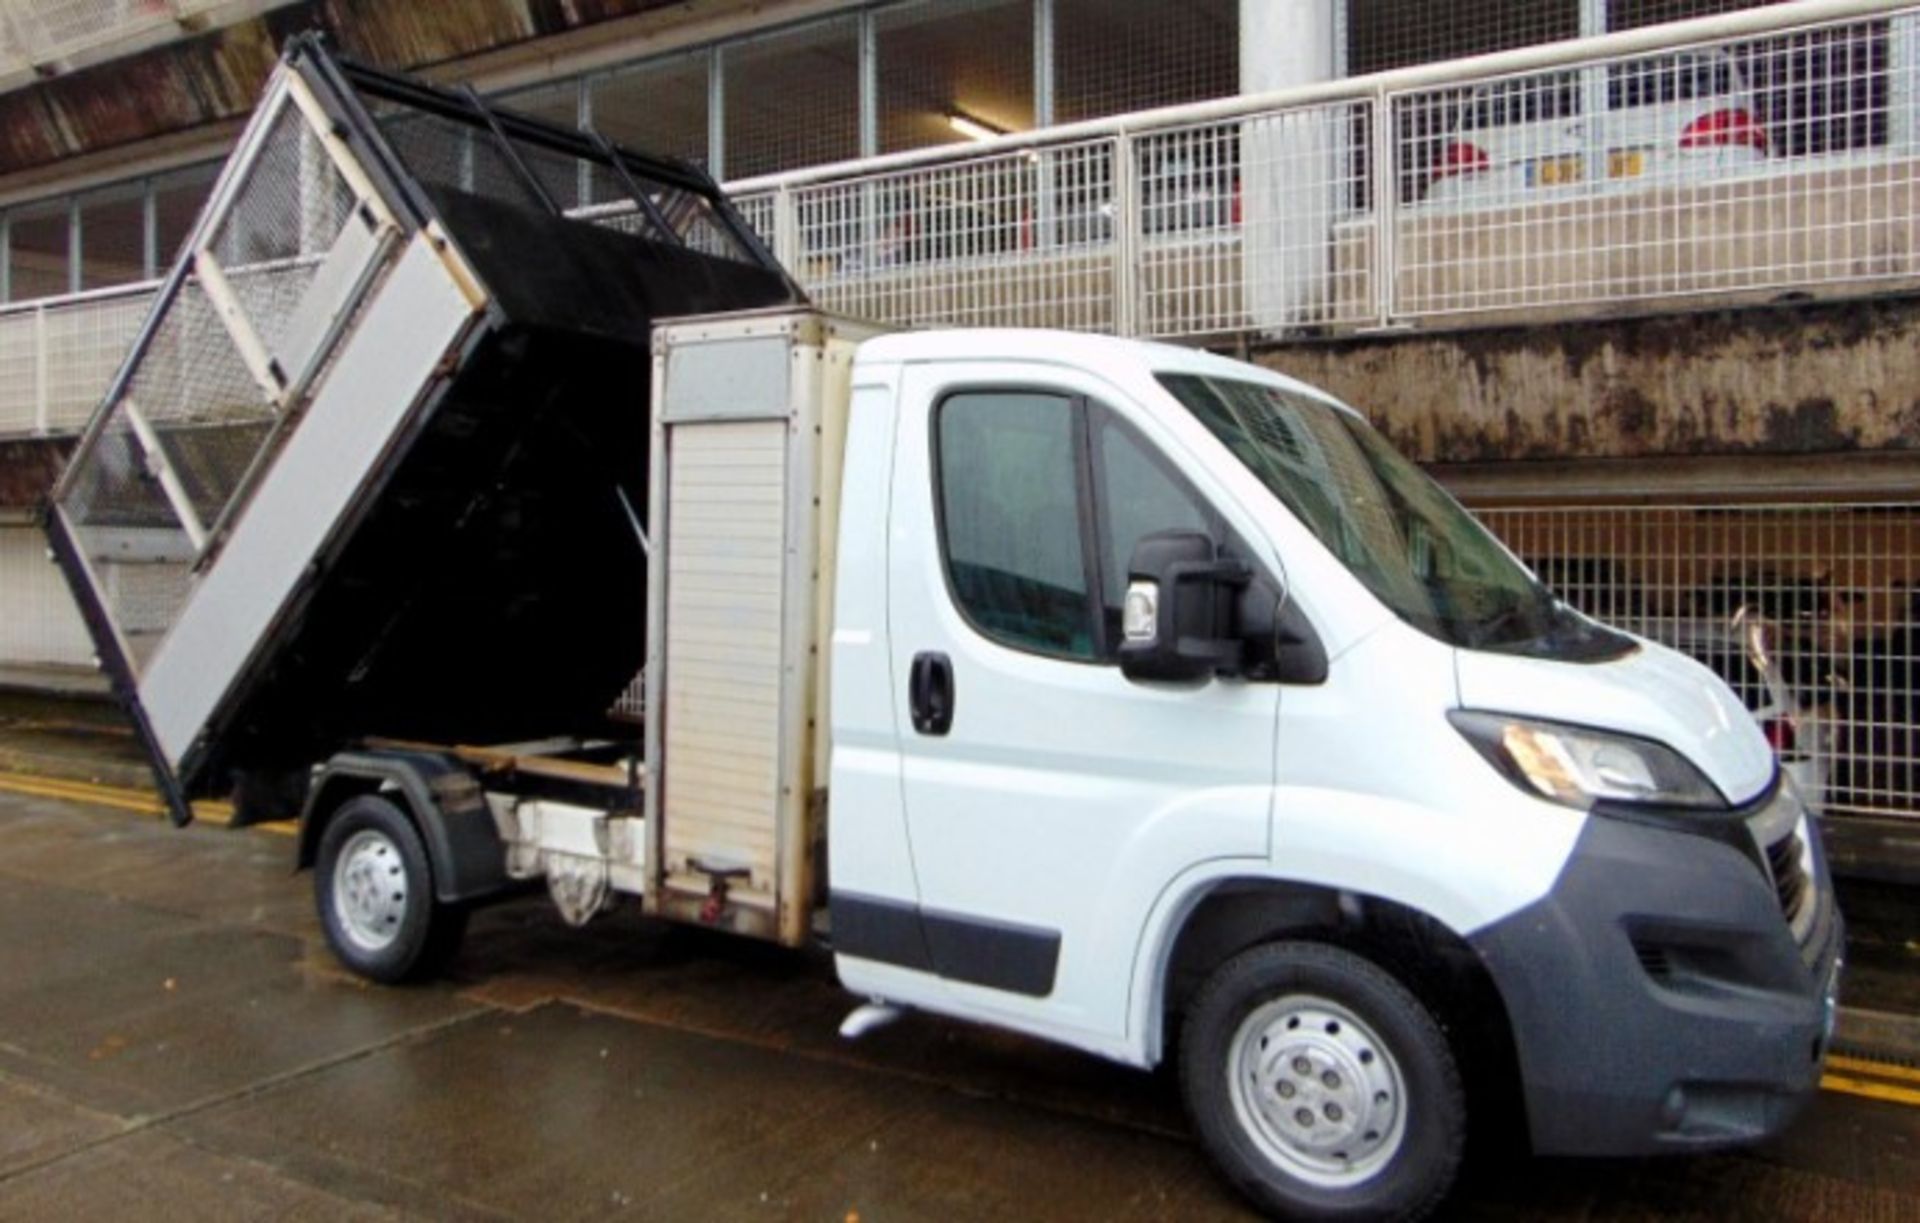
{"type": "Point", "coordinates": [113, 236]}
{"type": "Point", "coordinates": [38, 250]}
{"type": "Point", "coordinates": [178, 197]}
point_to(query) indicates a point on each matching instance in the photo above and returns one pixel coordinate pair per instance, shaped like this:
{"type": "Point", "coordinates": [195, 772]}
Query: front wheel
{"type": "Point", "coordinates": [374, 888]}
{"type": "Point", "coordinates": [1322, 1087]}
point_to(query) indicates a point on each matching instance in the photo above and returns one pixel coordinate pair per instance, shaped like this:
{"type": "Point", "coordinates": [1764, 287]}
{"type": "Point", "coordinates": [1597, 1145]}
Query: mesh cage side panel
{"type": "Point", "coordinates": [128, 531]}
{"type": "Point", "coordinates": [115, 488]}
{"type": "Point", "coordinates": [281, 224]}
{"type": "Point", "coordinates": [210, 414]}
{"type": "Point", "coordinates": [456, 156]}
{"type": "Point", "coordinates": [210, 419]}
{"type": "Point", "coordinates": [145, 598]}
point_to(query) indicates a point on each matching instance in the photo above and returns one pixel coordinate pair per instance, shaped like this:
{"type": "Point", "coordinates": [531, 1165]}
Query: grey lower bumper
{"type": "Point", "coordinates": [1658, 999]}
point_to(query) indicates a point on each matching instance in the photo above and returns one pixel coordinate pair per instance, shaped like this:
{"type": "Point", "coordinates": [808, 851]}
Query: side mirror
{"type": "Point", "coordinates": [1176, 622]}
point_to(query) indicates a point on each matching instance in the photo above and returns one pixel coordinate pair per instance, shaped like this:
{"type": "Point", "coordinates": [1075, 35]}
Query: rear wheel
{"type": "Point", "coordinates": [373, 886]}
{"type": "Point", "coordinates": [1322, 1087]}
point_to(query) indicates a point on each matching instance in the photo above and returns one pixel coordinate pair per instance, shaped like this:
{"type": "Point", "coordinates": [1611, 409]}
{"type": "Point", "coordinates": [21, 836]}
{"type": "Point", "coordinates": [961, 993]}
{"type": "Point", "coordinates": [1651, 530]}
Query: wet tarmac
{"type": "Point", "coordinates": [176, 1042]}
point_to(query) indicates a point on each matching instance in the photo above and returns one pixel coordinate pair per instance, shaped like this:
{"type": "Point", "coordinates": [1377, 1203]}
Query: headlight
{"type": "Point", "coordinates": [1580, 767]}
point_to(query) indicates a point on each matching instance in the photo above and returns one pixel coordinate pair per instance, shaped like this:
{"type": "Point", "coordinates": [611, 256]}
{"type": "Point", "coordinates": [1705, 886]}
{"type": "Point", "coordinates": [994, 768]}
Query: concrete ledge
{"type": "Point", "coordinates": [80, 764]}
{"type": "Point", "coordinates": [1878, 1035]}
{"type": "Point", "coordinates": [1886, 850]}
{"type": "Point", "coordinates": [47, 679]}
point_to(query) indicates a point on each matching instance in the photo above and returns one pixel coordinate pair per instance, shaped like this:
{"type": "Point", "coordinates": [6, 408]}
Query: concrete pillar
{"type": "Point", "coordinates": [1286, 42]}
{"type": "Point", "coordinates": [1292, 175]}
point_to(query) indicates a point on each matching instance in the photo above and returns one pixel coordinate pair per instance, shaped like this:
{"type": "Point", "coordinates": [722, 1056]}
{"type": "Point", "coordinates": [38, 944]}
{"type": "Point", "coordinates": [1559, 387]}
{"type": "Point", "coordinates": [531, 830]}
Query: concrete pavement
{"type": "Point", "coordinates": [176, 1041]}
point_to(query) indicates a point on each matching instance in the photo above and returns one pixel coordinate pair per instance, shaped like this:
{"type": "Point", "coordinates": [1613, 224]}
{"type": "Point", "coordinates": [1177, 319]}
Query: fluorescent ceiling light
{"type": "Point", "coordinates": [972, 128]}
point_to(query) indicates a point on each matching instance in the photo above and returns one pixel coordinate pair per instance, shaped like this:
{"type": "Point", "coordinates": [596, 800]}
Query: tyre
{"type": "Point", "coordinates": [1321, 1087]}
{"type": "Point", "coordinates": [373, 886]}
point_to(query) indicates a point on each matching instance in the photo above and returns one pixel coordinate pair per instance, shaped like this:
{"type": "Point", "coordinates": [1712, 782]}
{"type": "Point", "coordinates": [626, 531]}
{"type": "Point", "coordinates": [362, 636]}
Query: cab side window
{"type": "Point", "coordinates": [1136, 493]}
{"type": "Point", "coordinates": [1008, 465]}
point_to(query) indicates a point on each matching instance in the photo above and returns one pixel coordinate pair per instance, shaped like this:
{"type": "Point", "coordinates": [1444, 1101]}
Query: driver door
{"type": "Point", "coordinates": [1049, 800]}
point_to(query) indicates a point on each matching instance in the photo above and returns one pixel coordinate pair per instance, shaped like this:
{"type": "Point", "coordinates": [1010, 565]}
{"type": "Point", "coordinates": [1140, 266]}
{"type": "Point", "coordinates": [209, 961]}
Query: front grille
{"type": "Point", "coordinates": [1786, 862]}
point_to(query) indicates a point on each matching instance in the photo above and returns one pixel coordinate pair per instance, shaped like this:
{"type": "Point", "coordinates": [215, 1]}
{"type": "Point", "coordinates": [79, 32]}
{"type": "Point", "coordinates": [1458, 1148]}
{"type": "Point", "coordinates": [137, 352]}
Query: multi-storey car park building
{"type": "Point", "coordinates": [1635, 277]}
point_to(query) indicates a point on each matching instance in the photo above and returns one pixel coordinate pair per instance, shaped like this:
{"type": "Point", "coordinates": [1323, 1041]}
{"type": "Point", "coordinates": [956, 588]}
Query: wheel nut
{"type": "Point", "coordinates": [1333, 1112]}
{"type": "Point", "coordinates": [1302, 1066]}
{"type": "Point", "coordinates": [1330, 1079]}
{"type": "Point", "coordinates": [1285, 1090]}
{"type": "Point", "coordinates": [1304, 1116]}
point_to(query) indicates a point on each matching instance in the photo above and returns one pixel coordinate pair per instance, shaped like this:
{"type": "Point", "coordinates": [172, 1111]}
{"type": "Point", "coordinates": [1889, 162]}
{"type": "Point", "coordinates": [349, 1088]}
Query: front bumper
{"type": "Point", "coordinates": [1659, 998]}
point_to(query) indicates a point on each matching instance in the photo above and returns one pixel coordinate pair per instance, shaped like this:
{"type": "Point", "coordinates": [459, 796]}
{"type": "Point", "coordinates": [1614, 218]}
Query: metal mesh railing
{"type": "Point", "coordinates": [1730, 158]}
{"type": "Point", "coordinates": [758, 212]}
{"type": "Point", "coordinates": [1834, 591]}
{"type": "Point", "coordinates": [1013, 240]}
{"type": "Point", "coordinates": [58, 357]}
{"type": "Point", "coordinates": [1255, 224]}
{"type": "Point", "coordinates": [1747, 164]}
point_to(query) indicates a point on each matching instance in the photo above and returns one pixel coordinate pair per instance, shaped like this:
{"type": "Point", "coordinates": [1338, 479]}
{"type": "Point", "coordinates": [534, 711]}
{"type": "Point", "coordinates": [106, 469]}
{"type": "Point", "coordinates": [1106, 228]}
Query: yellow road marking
{"type": "Point", "coordinates": [1873, 1070]}
{"type": "Point", "coordinates": [1849, 1085]}
{"type": "Point", "coordinates": [122, 798]}
{"type": "Point", "coordinates": [125, 800]}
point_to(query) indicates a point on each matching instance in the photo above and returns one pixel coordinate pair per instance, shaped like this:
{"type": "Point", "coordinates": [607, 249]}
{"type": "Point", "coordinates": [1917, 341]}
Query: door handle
{"type": "Point", "coordinates": [930, 692]}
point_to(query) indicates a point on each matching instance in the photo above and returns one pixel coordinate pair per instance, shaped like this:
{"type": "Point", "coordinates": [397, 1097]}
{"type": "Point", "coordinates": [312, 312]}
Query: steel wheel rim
{"type": "Point", "coordinates": [370, 889]}
{"type": "Point", "coordinates": [1317, 1091]}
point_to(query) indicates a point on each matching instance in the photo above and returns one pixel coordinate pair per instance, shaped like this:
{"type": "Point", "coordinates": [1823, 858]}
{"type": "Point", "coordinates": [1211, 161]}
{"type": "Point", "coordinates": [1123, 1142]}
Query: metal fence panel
{"type": "Point", "coordinates": [85, 342]}
{"type": "Point", "coordinates": [20, 367]}
{"type": "Point", "coordinates": [1835, 589]}
{"type": "Point", "coordinates": [1016, 239]}
{"type": "Point", "coordinates": [1738, 166]}
{"type": "Point", "coordinates": [59, 356]}
{"type": "Point", "coordinates": [1261, 223]}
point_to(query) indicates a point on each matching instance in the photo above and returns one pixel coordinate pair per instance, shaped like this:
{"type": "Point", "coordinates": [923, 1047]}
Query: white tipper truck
{"type": "Point", "coordinates": [1117, 694]}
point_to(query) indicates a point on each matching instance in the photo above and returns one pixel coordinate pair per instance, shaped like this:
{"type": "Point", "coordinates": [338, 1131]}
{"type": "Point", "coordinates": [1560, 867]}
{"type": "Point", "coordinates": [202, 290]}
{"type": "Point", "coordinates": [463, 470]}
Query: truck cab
{"type": "Point", "coordinates": [1166, 693]}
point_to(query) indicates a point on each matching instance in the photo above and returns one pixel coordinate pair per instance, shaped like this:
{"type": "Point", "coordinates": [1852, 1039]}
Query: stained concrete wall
{"type": "Point", "coordinates": [28, 468]}
{"type": "Point", "coordinates": [1791, 380]}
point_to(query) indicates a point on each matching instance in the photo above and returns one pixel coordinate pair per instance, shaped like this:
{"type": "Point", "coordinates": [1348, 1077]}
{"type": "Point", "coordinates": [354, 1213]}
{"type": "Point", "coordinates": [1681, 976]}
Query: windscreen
{"type": "Point", "coordinates": [1413, 546]}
